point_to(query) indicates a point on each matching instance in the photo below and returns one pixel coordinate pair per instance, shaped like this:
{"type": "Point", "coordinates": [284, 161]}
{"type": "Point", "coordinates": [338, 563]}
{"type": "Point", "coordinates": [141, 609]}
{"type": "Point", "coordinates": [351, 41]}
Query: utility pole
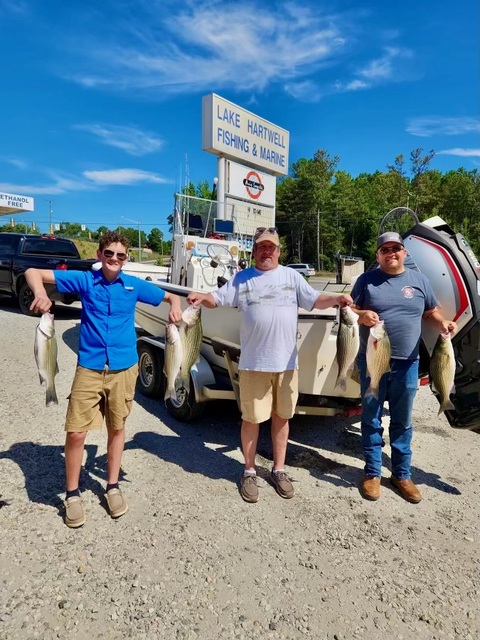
{"type": "Point", "coordinates": [50, 226]}
{"type": "Point", "coordinates": [318, 239]}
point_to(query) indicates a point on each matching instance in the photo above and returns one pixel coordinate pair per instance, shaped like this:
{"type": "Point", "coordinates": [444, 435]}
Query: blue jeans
{"type": "Point", "coordinates": [399, 387]}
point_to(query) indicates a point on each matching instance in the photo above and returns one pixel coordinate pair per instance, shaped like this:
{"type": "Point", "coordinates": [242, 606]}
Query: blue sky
{"type": "Point", "coordinates": [101, 99]}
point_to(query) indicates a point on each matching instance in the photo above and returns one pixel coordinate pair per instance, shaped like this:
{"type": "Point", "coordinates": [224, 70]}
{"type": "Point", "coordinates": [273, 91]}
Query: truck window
{"type": "Point", "coordinates": [50, 247]}
{"type": "Point", "coordinates": [7, 243]}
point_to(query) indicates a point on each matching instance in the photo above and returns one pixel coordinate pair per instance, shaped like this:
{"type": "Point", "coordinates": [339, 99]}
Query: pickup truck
{"type": "Point", "coordinates": [19, 252]}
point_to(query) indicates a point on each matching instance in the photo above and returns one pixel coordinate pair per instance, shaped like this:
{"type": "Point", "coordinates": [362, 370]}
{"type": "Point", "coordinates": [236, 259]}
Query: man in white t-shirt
{"type": "Point", "coordinates": [268, 296]}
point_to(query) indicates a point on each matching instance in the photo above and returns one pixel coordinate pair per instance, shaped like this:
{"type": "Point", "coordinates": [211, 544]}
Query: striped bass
{"type": "Point", "coordinates": [378, 357]}
{"type": "Point", "coordinates": [173, 359]}
{"type": "Point", "coordinates": [348, 343]}
{"type": "Point", "coordinates": [191, 336]}
{"type": "Point", "coordinates": [442, 371]}
{"type": "Point", "coordinates": [45, 350]}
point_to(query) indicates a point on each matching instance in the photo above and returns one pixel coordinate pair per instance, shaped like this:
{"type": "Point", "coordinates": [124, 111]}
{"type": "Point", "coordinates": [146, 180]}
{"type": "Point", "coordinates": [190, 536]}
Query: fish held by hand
{"type": "Point", "coordinates": [348, 342]}
{"type": "Point", "coordinates": [442, 371]}
{"type": "Point", "coordinates": [378, 357]}
{"type": "Point", "coordinates": [45, 349]}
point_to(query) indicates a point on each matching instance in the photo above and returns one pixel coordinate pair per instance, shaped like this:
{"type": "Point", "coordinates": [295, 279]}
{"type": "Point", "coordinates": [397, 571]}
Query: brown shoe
{"type": "Point", "coordinates": [371, 488]}
{"type": "Point", "coordinates": [117, 505]}
{"type": "Point", "coordinates": [407, 490]}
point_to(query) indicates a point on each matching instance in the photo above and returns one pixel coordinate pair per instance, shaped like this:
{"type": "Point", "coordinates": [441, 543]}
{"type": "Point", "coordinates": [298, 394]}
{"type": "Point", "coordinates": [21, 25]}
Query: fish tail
{"type": "Point", "coordinates": [170, 393]}
{"type": "Point", "coordinates": [446, 405]}
{"type": "Point", "coordinates": [51, 397]}
{"type": "Point", "coordinates": [371, 391]}
{"type": "Point", "coordinates": [341, 383]}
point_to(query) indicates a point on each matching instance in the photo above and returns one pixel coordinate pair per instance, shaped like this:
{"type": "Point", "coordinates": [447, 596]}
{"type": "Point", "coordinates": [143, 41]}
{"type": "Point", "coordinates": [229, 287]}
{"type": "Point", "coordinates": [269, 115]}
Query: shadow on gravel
{"type": "Point", "coordinates": [43, 467]}
{"type": "Point", "coordinates": [219, 427]}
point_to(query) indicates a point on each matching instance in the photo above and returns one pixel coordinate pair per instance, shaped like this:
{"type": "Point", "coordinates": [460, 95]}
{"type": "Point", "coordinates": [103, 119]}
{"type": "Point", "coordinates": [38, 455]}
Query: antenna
{"type": "Point", "coordinates": [187, 173]}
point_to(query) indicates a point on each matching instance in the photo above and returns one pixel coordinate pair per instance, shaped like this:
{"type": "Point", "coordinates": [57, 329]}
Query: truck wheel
{"type": "Point", "coordinates": [150, 379]}
{"type": "Point", "coordinates": [185, 407]}
{"type": "Point", "coordinates": [25, 299]}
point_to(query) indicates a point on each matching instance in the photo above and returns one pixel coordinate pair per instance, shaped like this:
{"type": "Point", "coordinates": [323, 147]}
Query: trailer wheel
{"type": "Point", "coordinates": [150, 370]}
{"type": "Point", "coordinates": [185, 407]}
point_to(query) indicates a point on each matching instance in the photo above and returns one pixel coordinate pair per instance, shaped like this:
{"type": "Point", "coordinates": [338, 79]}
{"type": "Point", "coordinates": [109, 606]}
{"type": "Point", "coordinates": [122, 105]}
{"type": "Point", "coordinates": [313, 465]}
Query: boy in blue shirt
{"type": "Point", "coordinates": [104, 384]}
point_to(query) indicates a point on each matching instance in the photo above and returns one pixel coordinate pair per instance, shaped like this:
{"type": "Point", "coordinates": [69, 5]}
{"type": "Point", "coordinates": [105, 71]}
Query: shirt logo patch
{"type": "Point", "coordinates": [408, 292]}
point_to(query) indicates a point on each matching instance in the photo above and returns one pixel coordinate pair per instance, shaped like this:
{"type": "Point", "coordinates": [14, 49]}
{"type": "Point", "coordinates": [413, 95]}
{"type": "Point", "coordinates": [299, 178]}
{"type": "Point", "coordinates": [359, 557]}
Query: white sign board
{"type": "Point", "coordinates": [10, 203]}
{"type": "Point", "coordinates": [230, 131]}
{"type": "Point", "coordinates": [247, 217]}
{"type": "Point", "coordinates": [250, 184]}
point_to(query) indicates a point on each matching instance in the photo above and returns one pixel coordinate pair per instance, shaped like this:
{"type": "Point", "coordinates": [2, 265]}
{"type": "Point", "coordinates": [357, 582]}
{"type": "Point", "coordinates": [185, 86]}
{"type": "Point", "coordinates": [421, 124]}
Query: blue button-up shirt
{"type": "Point", "coordinates": [107, 331]}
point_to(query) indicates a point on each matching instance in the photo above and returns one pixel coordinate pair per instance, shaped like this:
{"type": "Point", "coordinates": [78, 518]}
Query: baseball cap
{"type": "Point", "coordinates": [389, 236]}
{"type": "Point", "coordinates": [263, 234]}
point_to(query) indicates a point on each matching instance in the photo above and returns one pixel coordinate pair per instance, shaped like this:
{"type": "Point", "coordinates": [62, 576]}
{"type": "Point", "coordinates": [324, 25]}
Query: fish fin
{"type": "Point", "coordinates": [51, 397]}
{"type": "Point", "coordinates": [371, 391]}
{"type": "Point", "coordinates": [447, 405]}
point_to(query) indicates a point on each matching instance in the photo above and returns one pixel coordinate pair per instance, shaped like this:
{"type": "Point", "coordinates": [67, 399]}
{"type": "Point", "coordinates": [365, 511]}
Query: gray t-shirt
{"type": "Point", "coordinates": [400, 301]}
{"type": "Point", "coordinates": [268, 301]}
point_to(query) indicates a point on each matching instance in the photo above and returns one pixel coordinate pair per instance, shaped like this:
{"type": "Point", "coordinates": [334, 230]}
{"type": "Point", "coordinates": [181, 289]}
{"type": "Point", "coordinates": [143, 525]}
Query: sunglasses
{"type": "Point", "coordinates": [108, 253]}
{"type": "Point", "coordinates": [395, 249]}
{"type": "Point", "coordinates": [260, 230]}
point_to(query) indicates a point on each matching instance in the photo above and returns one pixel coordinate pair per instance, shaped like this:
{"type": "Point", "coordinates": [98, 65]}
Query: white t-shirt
{"type": "Point", "coordinates": [269, 302]}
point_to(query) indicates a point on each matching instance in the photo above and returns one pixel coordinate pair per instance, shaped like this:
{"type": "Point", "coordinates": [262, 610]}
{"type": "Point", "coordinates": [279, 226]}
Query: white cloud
{"type": "Point", "coordinates": [386, 68]}
{"type": "Point", "coordinates": [130, 139]}
{"type": "Point", "coordinates": [441, 125]}
{"type": "Point", "coordinates": [464, 153]}
{"type": "Point", "coordinates": [123, 177]}
{"type": "Point", "coordinates": [244, 45]}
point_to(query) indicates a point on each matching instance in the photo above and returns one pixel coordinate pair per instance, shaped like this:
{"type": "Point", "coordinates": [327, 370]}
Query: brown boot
{"type": "Point", "coordinates": [407, 490]}
{"type": "Point", "coordinates": [371, 488]}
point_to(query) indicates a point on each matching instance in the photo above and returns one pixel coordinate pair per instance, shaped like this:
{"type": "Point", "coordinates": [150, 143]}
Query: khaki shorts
{"type": "Point", "coordinates": [262, 393]}
{"type": "Point", "coordinates": [99, 395]}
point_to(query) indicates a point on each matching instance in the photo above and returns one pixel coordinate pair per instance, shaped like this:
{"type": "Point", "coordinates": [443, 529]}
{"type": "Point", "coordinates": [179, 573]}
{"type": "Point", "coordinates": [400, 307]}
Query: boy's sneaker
{"type": "Point", "coordinates": [74, 512]}
{"type": "Point", "coordinates": [249, 488]}
{"type": "Point", "coordinates": [283, 484]}
{"type": "Point", "coordinates": [117, 505]}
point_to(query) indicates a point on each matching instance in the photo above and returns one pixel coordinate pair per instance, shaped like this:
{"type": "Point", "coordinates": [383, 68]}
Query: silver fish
{"type": "Point", "coordinates": [378, 357]}
{"type": "Point", "coordinates": [191, 335]}
{"type": "Point", "coordinates": [442, 371]}
{"type": "Point", "coordinates": [45, 349]}
{"type": "Point", "coordinates": [173, 359]}
{"type": "Point", "coordinates": [348, 342]}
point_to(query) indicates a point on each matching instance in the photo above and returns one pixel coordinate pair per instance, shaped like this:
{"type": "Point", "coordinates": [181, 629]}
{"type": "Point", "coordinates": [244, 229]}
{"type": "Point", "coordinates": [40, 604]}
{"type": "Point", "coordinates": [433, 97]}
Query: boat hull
{"type": "Point", "coordinates": [316, 341]}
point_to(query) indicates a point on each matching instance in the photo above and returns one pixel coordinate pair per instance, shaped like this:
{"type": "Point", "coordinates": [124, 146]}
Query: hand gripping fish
{"type": "Point", "coordinates": [378, 357]}
{"type": "Point", "coordinates": [442, 371]}
{"type": "Point", "coordinates": [45, 350]}
{"type": "Point", "coordinates": [348, 342]}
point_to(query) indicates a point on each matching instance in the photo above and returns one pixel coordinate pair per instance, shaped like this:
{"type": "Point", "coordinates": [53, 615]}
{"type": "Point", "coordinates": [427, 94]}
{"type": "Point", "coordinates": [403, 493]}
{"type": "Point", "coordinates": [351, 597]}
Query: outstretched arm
{"type": "Point", "coordinates": [36, 279]}
{"type": "Point", "coordinates": [324, 301]}
{"type": "Point", "coordinates": [205, 299]}
{"type": "Point", "coordinates": [175, 314]}
{"type": "Point", "coordinates": [437, 322]}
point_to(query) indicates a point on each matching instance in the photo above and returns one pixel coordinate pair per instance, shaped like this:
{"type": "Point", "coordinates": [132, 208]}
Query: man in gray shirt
{"type": "Point", "coordinates": [402, 298]}
{"type": "Point", "coordinates": [268, 296]}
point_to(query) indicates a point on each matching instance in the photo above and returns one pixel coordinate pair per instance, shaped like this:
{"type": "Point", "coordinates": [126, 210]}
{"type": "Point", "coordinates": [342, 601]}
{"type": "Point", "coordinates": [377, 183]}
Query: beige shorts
{"type": "Point", "coordinates": [262, 393]}
{"type": "Point", "coordinates": [100, 395]}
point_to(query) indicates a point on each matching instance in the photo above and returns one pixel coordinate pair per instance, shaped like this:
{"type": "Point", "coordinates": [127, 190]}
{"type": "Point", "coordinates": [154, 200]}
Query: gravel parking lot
{"type": "Point", "coordinates": [191, 560]}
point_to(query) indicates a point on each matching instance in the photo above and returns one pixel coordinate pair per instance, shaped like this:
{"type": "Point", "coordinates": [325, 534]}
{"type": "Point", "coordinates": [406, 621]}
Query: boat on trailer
{"type": "Point", "coordinates": [202, 259]}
